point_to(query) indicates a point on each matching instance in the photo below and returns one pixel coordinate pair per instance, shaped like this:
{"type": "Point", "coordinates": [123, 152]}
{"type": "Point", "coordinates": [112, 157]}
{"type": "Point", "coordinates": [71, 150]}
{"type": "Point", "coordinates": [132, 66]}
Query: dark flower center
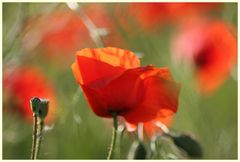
{"type": "Point", "coordinates": [203, 58]}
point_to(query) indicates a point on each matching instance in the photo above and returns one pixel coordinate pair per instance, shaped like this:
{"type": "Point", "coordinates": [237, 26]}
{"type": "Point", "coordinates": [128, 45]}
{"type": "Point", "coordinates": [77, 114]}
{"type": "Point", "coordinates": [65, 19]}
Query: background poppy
{"type": "Point", "coordinates": [21, 85]}
{"type": "Point", "coordinates": [211, 47]}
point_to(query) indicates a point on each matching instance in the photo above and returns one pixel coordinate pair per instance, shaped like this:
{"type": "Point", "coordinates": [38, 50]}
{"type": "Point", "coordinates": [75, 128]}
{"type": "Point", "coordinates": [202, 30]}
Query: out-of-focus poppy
{"type": "Point", "coordinates": [211, 47]}
{"type": "Point", "coordinates": [151, 15]}
{"type": "Point", "coordinates": [57, 34]}
{"type": "Point", "coordinates": [21, 85]}
{"type": "Point", "coordinates": [112, 81]}
{"type": "Point", "coordinates": [63, 34]}
{"type": "Point", "coordinates": [64, 31]}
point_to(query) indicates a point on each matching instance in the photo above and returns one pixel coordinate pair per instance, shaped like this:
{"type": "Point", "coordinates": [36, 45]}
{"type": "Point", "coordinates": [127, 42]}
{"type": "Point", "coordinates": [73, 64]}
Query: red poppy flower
{"type": "Point", "coordinates": [21, 86]}
{"type": "Point", "coordinates": [152, 127]}
{"type": "Point", "coordinates": [211, 47]}
{"type": "Point", "coordinates": [112, 81]}
{"type": "Point", "coordinates": [151, 15]}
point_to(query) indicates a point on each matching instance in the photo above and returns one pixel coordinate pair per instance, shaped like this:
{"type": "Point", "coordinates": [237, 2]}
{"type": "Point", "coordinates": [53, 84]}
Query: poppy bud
{"type": "Point", "coordinates": [43, 108]}
{"type": "Point", "coordinates": [191, 146]}
{"type": "Point", "coordinates": [137, 151]}
{"type": "Point", "coordinates": [34, 102]}
{"type": "Point", "coordinates": [39, 107]}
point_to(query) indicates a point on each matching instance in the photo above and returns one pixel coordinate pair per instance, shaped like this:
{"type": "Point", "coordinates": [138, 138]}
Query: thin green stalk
{"type": "Point", "coordinates": [114, 136]}
{"type": "Point", "coordinates": [34, 137]}
{"type": "Point", "coordinates": [120, 131]}
{"type": "Point", "coordinates": [39, 136]}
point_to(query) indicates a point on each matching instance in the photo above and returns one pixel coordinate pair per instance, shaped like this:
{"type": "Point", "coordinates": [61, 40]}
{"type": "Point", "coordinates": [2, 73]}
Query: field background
{"type": "Point", "coordinates": [77, 132]}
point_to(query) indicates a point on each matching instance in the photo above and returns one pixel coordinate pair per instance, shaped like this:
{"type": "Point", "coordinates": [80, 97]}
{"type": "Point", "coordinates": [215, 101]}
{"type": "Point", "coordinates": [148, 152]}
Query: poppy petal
{"type": "Point", "coordinates": [120, 93]}
{"type": "Point", "coordinates": [96, 102]}
{"type": "Point", "coordinates": [94, 64]}
{"type": "Point", "coordinates": [124, 92]}
{"type": "Point", "coordinates": [76, 72]}
{"type": "Point", "coordinates": [160, 98]}
{"type": "Point", "coordinates": [112, 56]}
{"type": "Point", "coordinates": [92, 70]}
{"type": "Point", "coordinates": [152, 128]}
{"type": "Point", "coordinates": [130, 127]}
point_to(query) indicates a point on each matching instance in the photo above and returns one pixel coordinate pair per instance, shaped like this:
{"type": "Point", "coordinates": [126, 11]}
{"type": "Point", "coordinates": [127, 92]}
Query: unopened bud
{"type": "Point", "coordinates": [43, 108]}
{"type": "Point", "coordinates": [39, 107]}
{"type": "Point", "coordinates": [188, 144]}
{"type": "Point", "coordinates": [34, 103]}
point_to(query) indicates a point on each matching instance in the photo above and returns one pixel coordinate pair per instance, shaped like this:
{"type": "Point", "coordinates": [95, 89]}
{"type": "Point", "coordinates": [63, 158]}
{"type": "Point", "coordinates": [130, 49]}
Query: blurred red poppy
{"type": "Point", "coordinates": [63, 31]}
{"type": "Point", "coordinates": [63, 34]}
{"type": "Point", "coordinates": [112, 81]}
{"type": "Point", "coordinates": [21, 85]}
{"type": "Point", "coordinates": [211, 47]}
{"type": "Point", "coordinates": [151, 15]}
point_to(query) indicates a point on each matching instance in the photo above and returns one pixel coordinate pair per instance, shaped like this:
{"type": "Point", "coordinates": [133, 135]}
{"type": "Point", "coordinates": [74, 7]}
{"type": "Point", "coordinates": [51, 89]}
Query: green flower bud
{"type": "Point", "coordinates": [39, 107]}
{"type": "Point", "coordinates": [34, 102]}
{"type": "Point", "coordinates": [43, 108]}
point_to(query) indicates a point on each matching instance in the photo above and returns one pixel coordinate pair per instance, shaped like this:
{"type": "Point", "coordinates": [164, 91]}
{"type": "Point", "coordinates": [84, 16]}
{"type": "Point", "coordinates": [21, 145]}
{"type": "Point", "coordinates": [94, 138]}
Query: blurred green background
{"type": "Point", "coordinates": [77, 133]}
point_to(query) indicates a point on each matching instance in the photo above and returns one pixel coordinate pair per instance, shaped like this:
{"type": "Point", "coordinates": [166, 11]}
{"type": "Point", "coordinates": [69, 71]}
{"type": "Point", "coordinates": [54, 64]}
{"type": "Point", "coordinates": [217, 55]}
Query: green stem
{"type": "Point", "coordinates": [39, 136]}
{"type": "Point", "coordinates": [121, 131]}
{"type": "Point", "coordinates": [34, 137]}
{"type": "Point", "coordinates": [114, 136]}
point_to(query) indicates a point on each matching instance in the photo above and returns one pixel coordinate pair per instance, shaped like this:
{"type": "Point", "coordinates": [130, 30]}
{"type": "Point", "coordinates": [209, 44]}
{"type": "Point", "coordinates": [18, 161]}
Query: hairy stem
{"type": "Point", "coordinates": [34, 137]}
{"type": "Point", "coordinates": [39, 136]}
{"type": "Point", "coordinates": [114, 136]}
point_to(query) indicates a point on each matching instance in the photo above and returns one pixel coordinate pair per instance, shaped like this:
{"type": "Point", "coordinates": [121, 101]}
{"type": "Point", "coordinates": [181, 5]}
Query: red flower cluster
{"type": "Point", "coordinates": [211, 47]}
{"type": "Point", "coordinates": [151, 15]}
{"type": "Point", "coordinates": [113, 81]}
{"type": "Point", "coordinates": [21, 86]}
{"type": "Point", "coordinates": [63, 32]}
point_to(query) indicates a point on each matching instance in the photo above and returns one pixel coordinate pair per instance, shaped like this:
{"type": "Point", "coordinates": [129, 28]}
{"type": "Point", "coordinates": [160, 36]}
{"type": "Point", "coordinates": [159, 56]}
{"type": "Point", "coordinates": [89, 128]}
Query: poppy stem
{"type": "Point", "coordinates": [120, 131]}
{"type": "Point", "coordinates": [114, 136]}
{"type": "Point", "coordinates": [34, 137]}
{"type": "Point", "coordinates": [39, 136]}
